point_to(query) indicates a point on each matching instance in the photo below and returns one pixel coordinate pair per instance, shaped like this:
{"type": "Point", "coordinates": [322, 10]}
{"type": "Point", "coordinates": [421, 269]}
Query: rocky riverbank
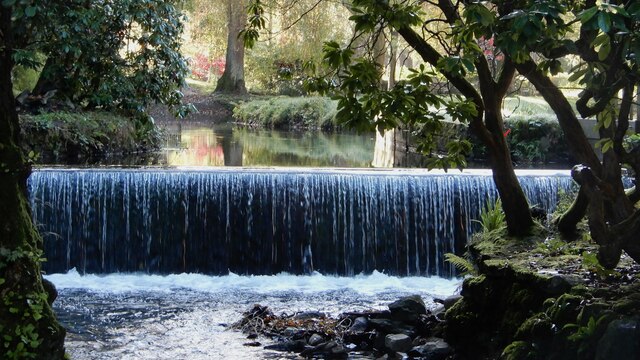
{"type": "Point", "coordinates": [534, 298]}
{"type": "Point", "coordinates": [406, 330]}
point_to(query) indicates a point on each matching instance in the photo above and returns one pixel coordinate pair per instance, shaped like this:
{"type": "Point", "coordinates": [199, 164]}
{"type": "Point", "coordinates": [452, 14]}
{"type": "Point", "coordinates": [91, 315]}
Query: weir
{"type": "Point", "coordinates": [264, 221]}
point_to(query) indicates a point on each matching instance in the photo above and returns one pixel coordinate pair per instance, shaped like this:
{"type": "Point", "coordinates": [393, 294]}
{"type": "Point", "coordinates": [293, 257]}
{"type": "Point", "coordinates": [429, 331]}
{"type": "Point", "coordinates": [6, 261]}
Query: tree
{"type": "Point", "coordinates": [112, 54]}
{"type": "Point", "coordinates": [28, 327]}
{"type": "Point", "coordinates": [605, 37]}
{"type": "Point", "coordinates": [232, 80]}
{"type": "Point", "coordinates": [363, 105]}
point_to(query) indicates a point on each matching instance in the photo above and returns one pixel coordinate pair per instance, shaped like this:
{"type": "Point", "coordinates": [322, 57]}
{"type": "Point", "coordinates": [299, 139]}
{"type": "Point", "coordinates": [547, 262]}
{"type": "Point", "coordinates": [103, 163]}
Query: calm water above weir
{"type": "Point", "coordinates": [226, 144]}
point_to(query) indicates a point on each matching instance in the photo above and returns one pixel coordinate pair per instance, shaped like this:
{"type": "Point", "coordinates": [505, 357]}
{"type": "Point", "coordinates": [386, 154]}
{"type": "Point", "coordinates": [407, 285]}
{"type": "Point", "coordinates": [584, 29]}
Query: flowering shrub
{"type": "Point", "coordinates": [202, 67]}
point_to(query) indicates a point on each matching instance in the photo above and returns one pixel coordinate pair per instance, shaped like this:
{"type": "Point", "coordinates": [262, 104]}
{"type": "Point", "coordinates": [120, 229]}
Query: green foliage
{"type": "Point", "coordinates": [463, 265]}
{"type": "Point", "coordinates": [289, 112]}
{"type": "Point", "coordinates": [586, 337]}
{"type": "Point", "coordinates": [590, 262]}
{"type": "Point", "coordinates": [19, 337]}
{"type": "Point", "coordinates": [67, 135]}
{"type": "Point", "coordinates": [553, 246]}
{"type": "Point", "coordinates": [492, 216]}
{"type": "Point", "coordinates": [122, 54]}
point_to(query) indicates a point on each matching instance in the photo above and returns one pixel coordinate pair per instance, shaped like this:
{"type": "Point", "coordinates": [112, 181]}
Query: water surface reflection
{"type": "Point", "coordinates": [232, 145]}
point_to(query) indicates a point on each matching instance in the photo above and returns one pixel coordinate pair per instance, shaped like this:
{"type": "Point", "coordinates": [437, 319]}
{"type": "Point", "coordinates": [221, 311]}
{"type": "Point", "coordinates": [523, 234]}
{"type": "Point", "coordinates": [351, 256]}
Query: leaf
{"type": "Point", "coordinates": [604, 50]}
{"type": "Point", "coordinates": [604, 22]}
{"type": "Point", "coordinates": [587, 14]}
{"type": "Point", "coordinates": [513, 15]}
{"type": "Point", "coordinates": [30, 11]}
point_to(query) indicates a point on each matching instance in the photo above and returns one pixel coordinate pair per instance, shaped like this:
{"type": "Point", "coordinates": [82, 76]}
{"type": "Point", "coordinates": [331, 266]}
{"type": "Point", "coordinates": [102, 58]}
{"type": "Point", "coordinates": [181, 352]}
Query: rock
{"type": "Point", "coordinates": [408, 309]}
{"type": "Point", "coordinates": [309, 315]}
{"type": "Point", "coordinates": [383, 357]}
{"type": "Point", "coordinates": [560, 284]}
{"type": "Point", "coordinates": [292, 332]}
{"type": "Point", "coordinates": [400, 356]}
{"type": "Point", "coordinates": [50, 289]}
{"type": "Point", "coordinates": [360, 325]}
{"type": "Point", "coordinates": [315, 339]}
{"type": "Point", "coordinates": [397, 342]}
{"type": "Point", "coordinates": [328, 350]}
{"type": "Point", "coordinates": [448, 302]}
{"type": "Point", "coordinates": [291, 345]}
{"type": "Point", "coordinates": [393, 327]}
{"type": "Point", "coordinates": [432, 349]}
{"type": "Point", "coordinates": [621, 340]}
{"type": "Point", "coordinates": [253, 343]}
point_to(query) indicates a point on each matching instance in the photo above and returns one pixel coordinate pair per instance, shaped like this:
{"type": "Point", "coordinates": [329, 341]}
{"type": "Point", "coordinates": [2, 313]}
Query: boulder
{"type": "Point", "coordinates": [393, 327]}
{"type": "Point", "coordinates": [328, 350]}
{"type": "Point", "coordinates": [315, 339]}
{"type": "Point", "coordinates": [291, 345]}
{"type": "Point", "coordinates": [432, 349]}
{"type": "Point", "coordinates": [408, 309]}
{"type": "Point", "coordinates": [360, 325]}
{"type": "Point", "coordinates": [294, 333]}
{"type": "Point", "coordinates": [397, 343]}
{"type": "Point", "coordinates": [448, 302]}
{"type": "Point", "coordinates": [621, 340]}
{"type": "Point", "coordinates": [309, 315]}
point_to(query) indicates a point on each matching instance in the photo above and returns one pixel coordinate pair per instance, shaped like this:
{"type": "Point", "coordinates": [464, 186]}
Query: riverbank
{"type": "Point", "coordinates": [86, 137]}
{"type": "Point", "coordinates": [534, 298]}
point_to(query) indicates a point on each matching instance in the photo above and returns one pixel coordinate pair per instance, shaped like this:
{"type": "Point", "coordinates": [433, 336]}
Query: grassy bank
{"type": "Point", "coordinates": [288, 112]}
{"type": "Point", "coordinates": [60, 137]}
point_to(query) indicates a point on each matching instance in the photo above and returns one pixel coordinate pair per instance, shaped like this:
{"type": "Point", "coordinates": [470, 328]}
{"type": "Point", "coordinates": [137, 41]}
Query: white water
{"type": "Point", "coordinates": [184, 316]}
{"type": "Point", "coordinates": [371, 285]}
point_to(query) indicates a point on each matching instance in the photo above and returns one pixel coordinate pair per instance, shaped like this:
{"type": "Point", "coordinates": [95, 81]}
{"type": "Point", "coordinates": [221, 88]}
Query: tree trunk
{"type": "Point", "coordinates": [637, 128]}
{"type": "Point", "coordinates": [514, 201]}
{"type": "Point", "coordinates": [393, 59]}
{"type": "Point", "coordinates": [28, 327]}
{"type": "Point", "coordinates": [232, 80]}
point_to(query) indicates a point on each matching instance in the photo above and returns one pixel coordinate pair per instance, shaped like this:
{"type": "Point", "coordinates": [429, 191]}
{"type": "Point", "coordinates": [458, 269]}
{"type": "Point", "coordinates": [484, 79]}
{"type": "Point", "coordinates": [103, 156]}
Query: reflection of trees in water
{"type": "Point", "coordinates": [270, 147]}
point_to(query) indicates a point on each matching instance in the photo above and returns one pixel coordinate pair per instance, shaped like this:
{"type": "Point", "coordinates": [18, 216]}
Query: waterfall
{"type": "Point", "coordinates": [263, 221]}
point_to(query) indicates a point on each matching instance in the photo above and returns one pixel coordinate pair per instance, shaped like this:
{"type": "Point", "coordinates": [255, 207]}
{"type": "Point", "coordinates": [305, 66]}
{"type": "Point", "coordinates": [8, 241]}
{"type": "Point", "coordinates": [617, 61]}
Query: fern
{"type": "Point", "coordinates": [492, 217]}
{"type": "Point", "coordinates": [462, 264]}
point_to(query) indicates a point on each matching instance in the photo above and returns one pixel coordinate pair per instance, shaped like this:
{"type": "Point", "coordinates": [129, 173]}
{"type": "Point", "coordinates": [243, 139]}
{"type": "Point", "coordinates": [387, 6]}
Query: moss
{"type": "Point", "coordinates": [519, 350]}
{"type": "Point", "coordinates": [539, 326]}
{"type": "Point", "coordinates": [565, 309]}
{"type": "Point", "coordinates": [628, 304]}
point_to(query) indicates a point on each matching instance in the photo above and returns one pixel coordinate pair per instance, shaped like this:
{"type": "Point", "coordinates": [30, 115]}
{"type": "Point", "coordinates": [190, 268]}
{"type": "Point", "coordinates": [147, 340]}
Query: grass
{"type": "Point", "coordinates": [288, 112]}
{"type": "Point", "coordinates": [203, 87]}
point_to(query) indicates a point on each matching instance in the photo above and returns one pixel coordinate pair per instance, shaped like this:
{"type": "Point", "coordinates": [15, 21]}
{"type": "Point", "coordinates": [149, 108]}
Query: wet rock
{"type": "Point", "coordinates": [397, 342]}
{"type": "Point", "coordinates": [315, 339]}
{"type": "Point", "coordinates": [432, 349]}
{"type": "Point", "coordinates": [393, 327]}
{"type": "Point", "coordinates": [292, 332]}
{"type": "Point", "coordinates": [253, 343]}
{"type": "Point", "coordinates": [309, 315]}
{"type": "Point", "coordinates": [560, 284]}
{"type": "Point", "coordinates": [448, 302]}
{"type": "Point", "coordinates": [408, 309]}
{"type": "Point", "coordinates": [360, 325]}
{"type": "Point", "coordinates": [328, 350]}
{"type": "Point", "coordinates": [51, 291]}
{"type": "Point", "coordinates": [621, 340]}
{"type": "Point", "coordinates": [291, 345]}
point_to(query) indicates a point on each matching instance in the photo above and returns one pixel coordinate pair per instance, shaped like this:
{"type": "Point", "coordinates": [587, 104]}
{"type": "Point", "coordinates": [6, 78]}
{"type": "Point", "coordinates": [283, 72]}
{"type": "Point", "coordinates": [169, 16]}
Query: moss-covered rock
{"type": "Point", "coordinates": [532, 304]}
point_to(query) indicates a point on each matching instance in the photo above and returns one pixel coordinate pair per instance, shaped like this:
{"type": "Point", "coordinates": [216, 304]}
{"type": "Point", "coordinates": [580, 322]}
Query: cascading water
{"type": "Point", "coordinates": [263, 221]}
